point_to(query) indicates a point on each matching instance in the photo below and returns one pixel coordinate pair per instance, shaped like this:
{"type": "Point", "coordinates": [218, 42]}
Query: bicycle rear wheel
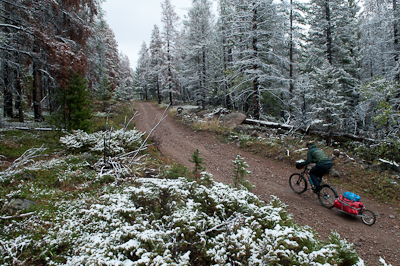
{"type": "Point", "coordinates": [327, 196]}
{"type": "Point", "coordinates": [298, 183]}
{"type": "Point", "coordinates": [368, 217]}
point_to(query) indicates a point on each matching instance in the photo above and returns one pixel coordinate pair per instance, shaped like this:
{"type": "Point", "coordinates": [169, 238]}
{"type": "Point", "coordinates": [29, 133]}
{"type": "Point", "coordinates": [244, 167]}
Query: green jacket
{"type": "Point", "coordinates": [316, 155]}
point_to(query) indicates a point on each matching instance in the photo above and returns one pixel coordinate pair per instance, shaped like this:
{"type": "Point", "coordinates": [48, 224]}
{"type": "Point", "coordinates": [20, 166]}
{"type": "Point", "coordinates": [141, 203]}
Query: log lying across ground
{"type": "Point", "coordinates": [329, 136]}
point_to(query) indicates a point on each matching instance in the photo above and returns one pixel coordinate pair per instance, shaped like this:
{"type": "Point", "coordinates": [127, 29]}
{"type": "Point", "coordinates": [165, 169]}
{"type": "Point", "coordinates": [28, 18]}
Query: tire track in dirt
{"type": "Point", "coordinates": [270, 177]}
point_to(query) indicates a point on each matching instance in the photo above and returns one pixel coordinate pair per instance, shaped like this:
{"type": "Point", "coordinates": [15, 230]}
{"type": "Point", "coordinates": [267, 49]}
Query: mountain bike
{"type": "Point", "coordinates": [298, 183]}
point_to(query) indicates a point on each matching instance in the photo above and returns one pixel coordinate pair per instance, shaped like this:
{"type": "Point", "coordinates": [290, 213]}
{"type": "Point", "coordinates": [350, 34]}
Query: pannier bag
{"type": "Point", "coordinates": [351, 196]}
{"type": "Point", "coordinates": [349, 206]}
{"type": "Point", "coordinates": [298, 166]}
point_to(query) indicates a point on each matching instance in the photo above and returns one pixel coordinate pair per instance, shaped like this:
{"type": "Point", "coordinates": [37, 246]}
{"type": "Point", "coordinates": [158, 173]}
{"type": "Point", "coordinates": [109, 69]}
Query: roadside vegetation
{"type": "Point", "coordinates": [366, 169]}
{"type": "Point", "coordinates": [80, 214]}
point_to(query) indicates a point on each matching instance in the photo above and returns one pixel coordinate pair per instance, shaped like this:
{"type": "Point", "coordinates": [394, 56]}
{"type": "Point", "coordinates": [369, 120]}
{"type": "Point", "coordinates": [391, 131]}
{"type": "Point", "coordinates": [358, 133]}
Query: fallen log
{"type": "Point", "coordinates": [328, 136]}
{"type": "Point", "coordinates": [267, 124]}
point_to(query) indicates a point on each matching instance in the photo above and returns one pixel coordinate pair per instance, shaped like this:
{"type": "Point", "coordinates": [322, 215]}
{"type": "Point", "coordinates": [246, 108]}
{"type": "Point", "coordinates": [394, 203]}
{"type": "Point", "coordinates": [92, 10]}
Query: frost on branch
{"type": "Point", "coordinates": [117, 142]}
{"type": "Point", "coordinates": [178, 222]}
{"type": "Point", "coordinates": [117, 147]}
{"type": "Point", "coordinates": [24, 159]}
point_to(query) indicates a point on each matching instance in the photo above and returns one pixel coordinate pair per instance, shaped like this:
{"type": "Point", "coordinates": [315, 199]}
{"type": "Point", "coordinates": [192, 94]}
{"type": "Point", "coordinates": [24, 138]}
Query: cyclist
{"type": "Point", "coordinates": [322, 164]}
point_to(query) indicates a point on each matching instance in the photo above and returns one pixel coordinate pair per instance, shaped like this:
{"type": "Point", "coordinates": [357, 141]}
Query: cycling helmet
{"type": "Point", "coordinates": [309, 143]}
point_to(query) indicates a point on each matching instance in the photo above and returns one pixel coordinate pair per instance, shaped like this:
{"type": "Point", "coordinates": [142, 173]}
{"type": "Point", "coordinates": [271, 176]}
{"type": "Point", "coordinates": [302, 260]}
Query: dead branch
{"type": "Point", "coordinates": [148, 136]}
{"type": "Point", "coordinates": [126, 126]}
{"type": "Point", "coordinates": [17, 216]}
{"type": "Point", "coordinates": [235, 218]}
{"type": "Point", "coordinates": [25, 158]}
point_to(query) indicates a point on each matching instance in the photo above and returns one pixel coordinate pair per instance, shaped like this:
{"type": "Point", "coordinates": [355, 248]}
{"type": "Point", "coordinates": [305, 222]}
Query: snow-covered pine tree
{"type": "Point", "coordinates": [169, 34]}
{"type": "Point", "coordinates": [293, 22]}
{"type": "Point", "coordinates": [327, 106]}
{"type": "Point", "coordinates": [199, 31]}
{"type": "Point", "coordinates": [332, 38]}
{"type": "Point", "coordinates": [142, 72]}
{"type": "Point", "coordinates": [379, 49]}
{"type": "Point", "coordinates": [124, 91]}
{"type": "Point", "coordinates": [255, 33]}
{"type": "Point", "coordinates": [156, 61]}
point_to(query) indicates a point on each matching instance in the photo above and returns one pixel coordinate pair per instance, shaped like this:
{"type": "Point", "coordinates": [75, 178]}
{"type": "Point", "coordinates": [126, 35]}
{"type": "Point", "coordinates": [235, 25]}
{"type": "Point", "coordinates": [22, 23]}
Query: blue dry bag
{"type": "Point", "coordinates": [351, 196]}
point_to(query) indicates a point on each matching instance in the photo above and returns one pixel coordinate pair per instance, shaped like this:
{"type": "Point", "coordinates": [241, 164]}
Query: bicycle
{"type": "Point", "coordinates": [298, 183]}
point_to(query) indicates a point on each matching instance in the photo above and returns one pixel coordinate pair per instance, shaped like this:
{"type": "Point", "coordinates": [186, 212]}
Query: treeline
{"type": "Point", "coordinates": [328, 65]}
{"type": "Point", "coordinates": [53, 53]}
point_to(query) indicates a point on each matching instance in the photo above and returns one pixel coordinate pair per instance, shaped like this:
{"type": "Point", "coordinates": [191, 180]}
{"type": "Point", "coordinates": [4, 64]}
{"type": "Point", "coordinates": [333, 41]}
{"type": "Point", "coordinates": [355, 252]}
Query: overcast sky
{"type": "Point", "coordinates": [133, 21]}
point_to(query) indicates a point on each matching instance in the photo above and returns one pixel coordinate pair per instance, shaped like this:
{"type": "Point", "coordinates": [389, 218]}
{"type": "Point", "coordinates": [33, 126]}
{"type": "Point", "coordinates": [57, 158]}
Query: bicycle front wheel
{"type": "Point", "coordinates": [298, 183]}
{"type": "Point", "coordinates": [327, 196]}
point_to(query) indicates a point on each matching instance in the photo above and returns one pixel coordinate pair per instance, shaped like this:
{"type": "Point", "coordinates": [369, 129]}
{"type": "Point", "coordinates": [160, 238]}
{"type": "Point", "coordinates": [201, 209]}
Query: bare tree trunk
{"type": "Point", "coordinates": [8, 97]}
{"type": "Point", "coordinates": [36, 94]}
{"type": "Point", "coordinates": [256, 112]}
{"type": "Point", "coordinates": [396, 38]}
{"type": "Point", "coordinates": [328, 33]}
{"type": "Point", "coordinates": [158, 90]}
{"type": "Point", "coordinates": [291, 85]}
{"type": "Point", "coordinates": [18, 100]}
{"type": "Point", "coordinates": [203, 89]}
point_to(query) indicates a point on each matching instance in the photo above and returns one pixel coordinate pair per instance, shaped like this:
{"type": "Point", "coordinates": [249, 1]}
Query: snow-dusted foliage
{"type": "Point", "coordinates": [177, 222]}
{"type": "Point", "coordinates": [116, 141]}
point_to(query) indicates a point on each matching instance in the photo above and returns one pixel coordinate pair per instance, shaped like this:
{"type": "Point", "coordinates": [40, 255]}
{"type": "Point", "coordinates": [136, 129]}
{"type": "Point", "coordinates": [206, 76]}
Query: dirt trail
{"type": "Point", "coordinates": [271, 178]}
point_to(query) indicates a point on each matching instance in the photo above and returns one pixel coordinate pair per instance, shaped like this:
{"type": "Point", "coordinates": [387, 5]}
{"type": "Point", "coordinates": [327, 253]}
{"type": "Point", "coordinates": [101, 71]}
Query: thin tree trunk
{"type": "Point", "coordinates": [158, 90]}
{"type": "Point", "coordinates": [328, 33]}
{"type": "Point", "coordinates": [256, 112]}
{"type": "Point", "coordinates": [291, 85]}
{"type": "Point", "coordinates": [8, 97]}
{"type": "Point", "coordinates": [203, 89]}
{"type": "Point", "coordinates": [36, 95]}
{"type": "Point", "coordinates": [18, 100]}
{"type": "Point", "coordinates": [396, 39]}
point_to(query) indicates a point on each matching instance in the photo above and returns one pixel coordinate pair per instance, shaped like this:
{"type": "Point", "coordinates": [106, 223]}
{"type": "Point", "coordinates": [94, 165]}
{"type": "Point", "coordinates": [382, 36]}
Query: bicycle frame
{"type": "Point", "coordinates": [298, 183]}
{"type": "Point", "coordinates": [306, 174]}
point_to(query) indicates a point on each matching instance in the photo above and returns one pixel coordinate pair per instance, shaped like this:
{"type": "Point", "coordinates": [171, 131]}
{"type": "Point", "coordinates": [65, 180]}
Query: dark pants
{"type": "Point", "coordinates": [317, 172]}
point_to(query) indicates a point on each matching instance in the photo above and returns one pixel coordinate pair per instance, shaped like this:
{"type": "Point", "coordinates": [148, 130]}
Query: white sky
{"type": "Point", "coordinates": [133, 21]}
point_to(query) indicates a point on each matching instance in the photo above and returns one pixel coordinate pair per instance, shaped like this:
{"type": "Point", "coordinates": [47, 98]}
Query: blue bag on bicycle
{"type": "Point", "coordinates": [351, 196]}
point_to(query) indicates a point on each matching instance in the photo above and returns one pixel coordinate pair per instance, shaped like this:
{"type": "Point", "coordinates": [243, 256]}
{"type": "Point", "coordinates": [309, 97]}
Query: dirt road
{"type": "Point", "coordinates": [270, 177]}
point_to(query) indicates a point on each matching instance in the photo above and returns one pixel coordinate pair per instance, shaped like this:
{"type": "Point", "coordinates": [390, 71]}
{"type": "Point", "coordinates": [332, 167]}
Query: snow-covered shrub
{"type": "Point", "coordinates": [178, 222]}
{"type": "Point", "coordinates": [116, 141]}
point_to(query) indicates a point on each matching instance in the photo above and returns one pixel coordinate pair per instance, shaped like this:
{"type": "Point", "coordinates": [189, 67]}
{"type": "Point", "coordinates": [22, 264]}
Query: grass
{"type": "Point", "coordinates": [14, 143]}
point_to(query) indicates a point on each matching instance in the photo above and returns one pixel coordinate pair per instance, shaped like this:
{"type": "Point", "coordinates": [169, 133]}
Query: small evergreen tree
{"type": "Point", "coordinates": [240, 173]}
{"type": "Point", "coordinates": [198, 162]}
{"type": "Point", "coordinates": [74, 105]}
{"type": "Point", "coordinates": [103, 92]}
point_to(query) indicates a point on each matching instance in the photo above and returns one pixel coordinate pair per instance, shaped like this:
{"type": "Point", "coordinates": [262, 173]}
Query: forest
{"type": "Point", "coordinates": [325, 65]}
{"type": "Point", "coordinates": [57, 56]}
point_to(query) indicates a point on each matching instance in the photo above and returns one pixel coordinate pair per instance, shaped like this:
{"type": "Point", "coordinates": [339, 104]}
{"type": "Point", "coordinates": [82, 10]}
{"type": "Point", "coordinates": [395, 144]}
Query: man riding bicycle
{"type": "Point", "coordinates": [323, 164]}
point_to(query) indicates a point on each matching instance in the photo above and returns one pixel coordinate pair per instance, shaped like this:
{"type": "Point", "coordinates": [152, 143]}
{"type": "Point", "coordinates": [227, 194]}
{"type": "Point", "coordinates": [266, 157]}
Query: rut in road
{"type": "Point", "coordinates": [270, 177]}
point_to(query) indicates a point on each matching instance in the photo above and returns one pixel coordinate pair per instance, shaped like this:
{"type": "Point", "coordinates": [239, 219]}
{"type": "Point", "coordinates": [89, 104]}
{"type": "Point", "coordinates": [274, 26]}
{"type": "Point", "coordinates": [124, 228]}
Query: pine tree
{"type": "Point", "coordinates": [327, 106]}
{"type": "Point", "coordinates": [169, 34]}
{"type": "Point", "coordinates": [240, 173]}
{"type": "Point", "coordinates": [156, 61]}
{"type": "Point", "coordinates": [198, 37]}
{"type": "Point", "coordinates": [142, 74]}
{"type": "Point", "coordinates": [256, 32]}
{"type": "Point", "coordinates": [198, 162]}
{"type": "Point", "coordinates": [74, 105]}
